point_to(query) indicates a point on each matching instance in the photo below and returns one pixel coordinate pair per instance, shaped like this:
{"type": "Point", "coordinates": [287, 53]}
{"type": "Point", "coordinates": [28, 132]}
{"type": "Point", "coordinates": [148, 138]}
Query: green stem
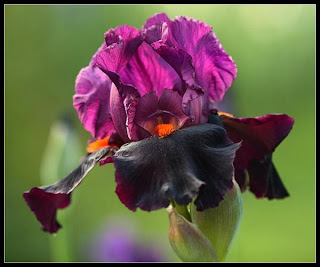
{"type": "Point", "coordinates": [60, 246]}
{"type": "Point", "coordinates": [183, 210]}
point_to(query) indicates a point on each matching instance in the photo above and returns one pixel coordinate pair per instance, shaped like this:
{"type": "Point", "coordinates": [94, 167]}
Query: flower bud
{"type": "Point", "coordinates": [188, 242]}
{"type": "Point", "coordinates": [221, 224]}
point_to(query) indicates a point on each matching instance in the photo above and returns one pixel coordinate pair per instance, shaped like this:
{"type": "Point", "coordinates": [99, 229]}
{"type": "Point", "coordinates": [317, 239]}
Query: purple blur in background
{"type": "Point", "coordinates": [118, 241]}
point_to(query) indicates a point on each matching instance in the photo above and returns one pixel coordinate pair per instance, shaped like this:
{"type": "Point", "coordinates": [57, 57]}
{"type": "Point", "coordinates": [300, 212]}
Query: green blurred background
{"type": "Point", "coordinates": [47, 45]}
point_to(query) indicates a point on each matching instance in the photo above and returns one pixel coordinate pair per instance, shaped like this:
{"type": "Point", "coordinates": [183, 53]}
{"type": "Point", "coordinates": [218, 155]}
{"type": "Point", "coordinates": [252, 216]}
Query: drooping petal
{"type": "Point", "coordinates": [44, 201]}
{"type": "Point", "coordinates": [260, 135]}
{"type": "Point", "coordinates": [148, 72]}
{"type": "Point", "coordinates": [192, 161]}
{"type": "Point", "coordinates": [265, 180]}
{"type": "Point", "coordinates": [45, 206]}
{"type": "Point", "coordinates": [92, 101]}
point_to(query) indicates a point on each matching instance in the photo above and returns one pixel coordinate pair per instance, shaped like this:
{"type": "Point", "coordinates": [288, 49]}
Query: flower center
{"type": "Point", "coordinates": [164, 130]}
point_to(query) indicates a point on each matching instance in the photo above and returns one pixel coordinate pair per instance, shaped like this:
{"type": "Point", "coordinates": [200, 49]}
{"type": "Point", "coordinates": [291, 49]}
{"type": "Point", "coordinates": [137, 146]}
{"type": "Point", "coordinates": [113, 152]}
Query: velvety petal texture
{"type": "Point", "coordinates": [45, 206]}
{"type": "Point", "coordinates": [260, 136]}
{"type": "Point", "coordinates": [44, 201]}
{"type": "Point", "coordinates": [194, 161]}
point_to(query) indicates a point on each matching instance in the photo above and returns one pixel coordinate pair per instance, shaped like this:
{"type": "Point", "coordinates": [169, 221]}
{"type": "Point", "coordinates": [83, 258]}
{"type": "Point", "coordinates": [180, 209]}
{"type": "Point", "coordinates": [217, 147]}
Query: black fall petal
{"type": "Point", "coordinates": [194, 161]}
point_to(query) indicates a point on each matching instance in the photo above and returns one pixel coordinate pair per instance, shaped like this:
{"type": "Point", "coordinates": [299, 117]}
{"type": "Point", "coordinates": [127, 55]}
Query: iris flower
{"type": "Point", "coordinates": [147, 98]}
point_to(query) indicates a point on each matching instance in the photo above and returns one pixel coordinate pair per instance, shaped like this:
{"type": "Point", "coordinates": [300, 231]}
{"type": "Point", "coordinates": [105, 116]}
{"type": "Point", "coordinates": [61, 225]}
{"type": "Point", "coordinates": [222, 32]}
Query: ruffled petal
{"type": "Point", "coordinates": [156, 19]}
{"type": "Point", "coordinates": [121, 44]}
{"type": "Point", "coordinates": [44, 201]}
{"type": "Point", "coordinates": [148, 72]}
{"type": "Point", "coordinates": [92, 101]}
{"type": "Point", "coordinates": [194, 161]}
{"type": "Point", "coordinates": [260, 135]}
{"type": "Point", "coordinates": [214, 68]}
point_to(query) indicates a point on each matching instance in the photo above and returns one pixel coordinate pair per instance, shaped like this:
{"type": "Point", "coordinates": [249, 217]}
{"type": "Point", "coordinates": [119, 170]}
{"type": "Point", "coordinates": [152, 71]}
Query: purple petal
{"type": "Point", "coordinates": [167, 109]}
{"type": "Point", "coordinates": [214, 68]}
{"type": "Point", "coordinates": [148, 72]}
{"type": "Point", "coordinates": [171, 102]}
{"type": "Point", "coordinates": [44, 201]}
{"type": "Point", "coordinates": [123, 103]}
{"type": "Point", "coordinates": [121, 44]}
{"type": "Point", "coordinates": [92, 101]}
{"type": "Point", "coordinates": [260, 135]}
{"type": "Point", "coordinates": [154, 170]}
{"type": "Point", "coordinates": [179, 60]}
{"type": "Point", "coordinates": [158, 18]}
{"type": "Point", "coordinates": [196, 105]}
{"type": "Point", "coordinates": [147, 111]}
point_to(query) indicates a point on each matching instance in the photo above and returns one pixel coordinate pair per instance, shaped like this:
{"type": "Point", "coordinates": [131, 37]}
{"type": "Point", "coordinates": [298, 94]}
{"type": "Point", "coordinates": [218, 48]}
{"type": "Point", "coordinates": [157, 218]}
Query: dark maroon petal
{"type": "Point", "coordinates": [152, 171]}
{"type": "Point", "coordinates": [195, 104]}
{"type": "Point", "coordinates": [265, 180]}
{"type": "Point", "coordinates": [92, 101]}
{"type": "Point", "coordinates": [148, 72]}
{"type": "Point", "coordinates": [45, 205]}
{"type": "Point", "coordinates": [260, 135]}
{"type": "Point", "coordinates": [44, 201]}
{"type": "Point", "coordinates": [170, 101]}
{"type": "Point", "coordinates": [147, 112]}
{"type": "Point", "coordinates": [121, 43]}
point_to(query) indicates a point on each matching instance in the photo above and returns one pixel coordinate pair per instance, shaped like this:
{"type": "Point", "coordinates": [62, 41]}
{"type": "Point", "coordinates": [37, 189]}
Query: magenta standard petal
{"type": "Point", "coordinates": [121, 43]}
{"type": "Point", "coordinates": [148, 72]}
{"type": "Point", "coordinates": [92, 101]}
{"type": "Point", "coordinates": [156, 19]}
{"type": "Point", "coordinates": [194, 103]}
{"type": "Point", "coordinates": [260, 136]}
{"type": "Point", "coordinates": [214, 68]}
